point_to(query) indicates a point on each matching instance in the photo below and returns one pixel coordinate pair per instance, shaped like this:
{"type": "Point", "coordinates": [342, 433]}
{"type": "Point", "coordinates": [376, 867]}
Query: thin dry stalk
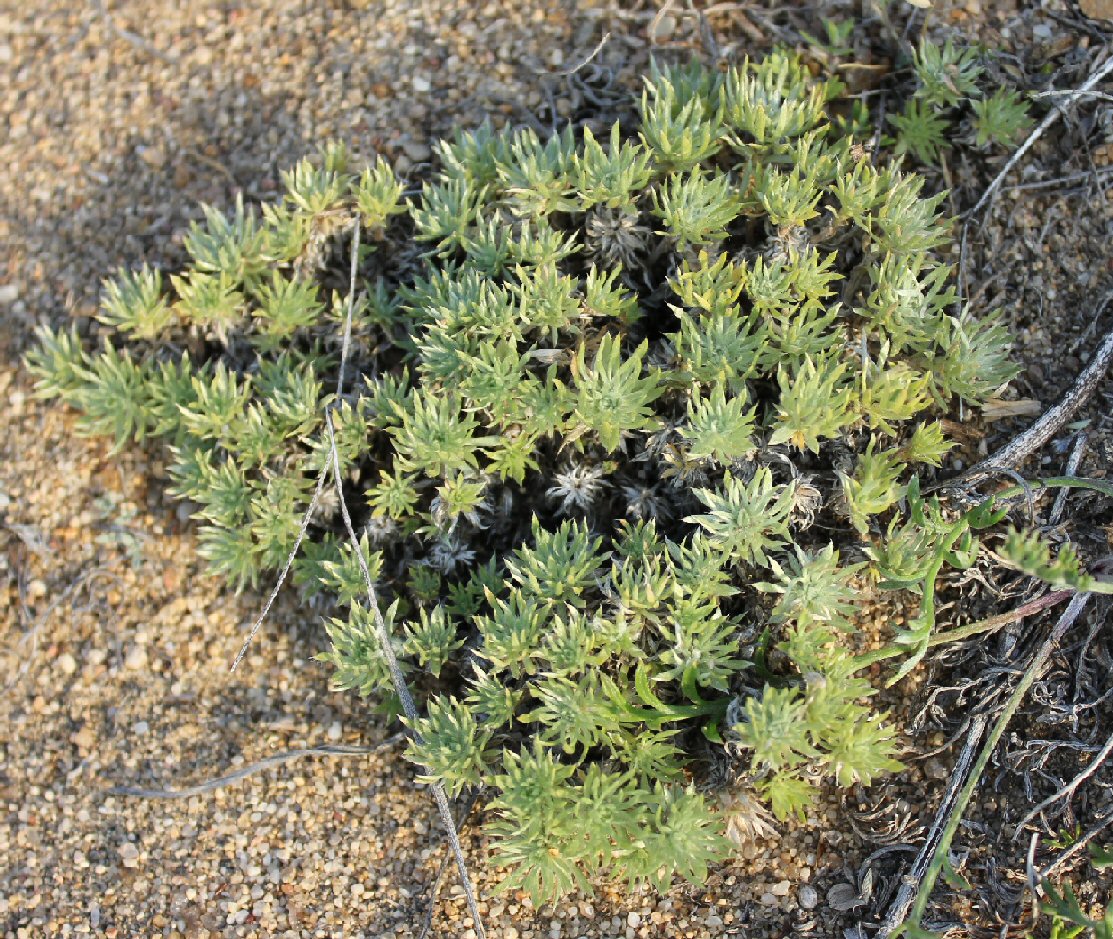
{"type": "Point", "coordinates": [1017, 450]}
{"type": "Point", "coordinates": [912, 898]}
{"type": "Point", "coordinates": [1074, 461]}
{"type": "Point", "coordinates": [1090, 175]}
{"type": "Point", "coordinates": [435, 890]}
{"type": "Point", "coordinates": [656, 22]}
{"type": "Point", "coordinates": [399, 679]}
{"type": "Point", "coordinates": [1070, 852]}
{"type": "Point", "coordinates": [583, 63]}
{"type": "Point", "coordinates": [1069, 98]}
{"type": "Point", "coordinates": [284, 573]}
{"type": "Point", "coordinates": [1070, 788]}
{"type": "Point", "coordinates": [244, 771]}
{"type": "Point", "coordinates": [345, 350]}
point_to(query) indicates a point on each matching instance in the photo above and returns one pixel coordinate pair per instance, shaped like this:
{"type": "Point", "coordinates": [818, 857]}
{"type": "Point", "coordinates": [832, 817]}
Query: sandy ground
{"type": "Point", "coordinates": [116, 119]}
{"type": "Point", "coordinates": [117, 645]}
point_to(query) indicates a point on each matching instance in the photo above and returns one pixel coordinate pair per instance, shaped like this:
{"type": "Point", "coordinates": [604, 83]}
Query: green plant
{"type": "Point", "coordinates": [1068, 919]}
{"type": "Point", "coordinates": [921, 130]}
{"type": "Point", "coordinates": [946, 74]}
{"type": "Point", "coordinates": [1001, 118]}
{"type": "Point", "coordinates": [945, 89]}
{"type": "Point", "coordinates": [605, 392]}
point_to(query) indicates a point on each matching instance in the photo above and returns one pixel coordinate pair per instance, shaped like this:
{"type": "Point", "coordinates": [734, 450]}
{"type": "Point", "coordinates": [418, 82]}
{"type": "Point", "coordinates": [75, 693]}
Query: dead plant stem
{"type": "Point", "coordinates": [923, 885]}
{"type": "Point", "coordinates": [1017, 450]}
{"type": "Point", "coordinates": [244, 771]}
{"type": "Point", "coordinates": [1069, 98]}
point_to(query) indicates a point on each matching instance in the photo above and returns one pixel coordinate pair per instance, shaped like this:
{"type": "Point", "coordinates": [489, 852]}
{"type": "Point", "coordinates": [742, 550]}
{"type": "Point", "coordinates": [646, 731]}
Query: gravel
{"type": "Point", "coordinates": [116, 119]}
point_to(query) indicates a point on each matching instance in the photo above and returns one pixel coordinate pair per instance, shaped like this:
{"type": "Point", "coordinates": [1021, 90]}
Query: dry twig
{"type": "Point", "coordinates": [915, 891]}
{"type": "Point", "coordinates": [345, 350]}
{"type": "Point", "coordinates": [1090, 175]}
{"type": "Point", "coordinates": [1074, 461]}
{"type": "Point", "coordinates": [1024, 445]}
{"type": "Point", "coordinates": [399, 679]}
{"type": "Point", "coordinates": [910, 882]}
{"type": "Point", "coordinates": [1069, 98]}
{"type": "Point", "coordinates": [1070, 788]}
{"type": "Point", "coordinates": [244, 771]}
{"type": "Point", "coordinates": [383, 635]}
{"type": "Point", "coordinates": [435, 890]}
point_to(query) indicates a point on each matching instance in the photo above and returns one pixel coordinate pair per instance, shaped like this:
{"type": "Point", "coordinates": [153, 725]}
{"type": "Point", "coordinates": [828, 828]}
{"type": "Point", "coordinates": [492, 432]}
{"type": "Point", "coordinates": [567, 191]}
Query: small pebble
{"type": "Point", "coordinates": [129, 854]}
{"type": "Point", "coordinates": [417, 151]}
{"type": "Point", "coordinates": [152, 156]}
{"type": "Point", "coordinates": [808, 897]}
{"type": "Point", "coordinates": [136, 658]}
{"type": "Point", "coordinates": [663, 28]}
{"type": "Point", "coordinates": [936, 769]}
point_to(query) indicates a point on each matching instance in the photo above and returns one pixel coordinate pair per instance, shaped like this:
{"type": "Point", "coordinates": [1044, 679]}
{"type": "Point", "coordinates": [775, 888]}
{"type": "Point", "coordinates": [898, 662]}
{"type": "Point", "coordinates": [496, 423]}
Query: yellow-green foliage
{"type": "Point", "coordinates": [605, 386]}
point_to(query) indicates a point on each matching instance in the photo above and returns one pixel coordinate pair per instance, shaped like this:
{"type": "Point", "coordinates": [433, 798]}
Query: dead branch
{"type": "Point", "coordinates": [399, 679]}
{"type": "Point", "coordinates": [910, 882]}
{"type": "Point", "coordinates": [435, 890]}
{"type": "Point", "coordinates": [1017, 450]}
{"type": "Point", "coordinates": [917, 885]}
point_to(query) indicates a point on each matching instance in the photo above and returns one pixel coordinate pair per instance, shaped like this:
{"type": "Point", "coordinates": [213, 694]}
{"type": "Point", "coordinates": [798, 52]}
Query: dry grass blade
{"type": "Point", "coordinates": [1075, 848]}
{"type": "Point", "coordinates": [345, 350]}
{"type": "Point", "coordinates": [399, 680]}
{"type": "Point", "coordinates": [1070, 788]}
{"type": "Point", "coordinates": [920, 881]}
{"type": "Point", "coordinates": [244, 771]}
{"type": "Point", "coordinates": [435, 890]}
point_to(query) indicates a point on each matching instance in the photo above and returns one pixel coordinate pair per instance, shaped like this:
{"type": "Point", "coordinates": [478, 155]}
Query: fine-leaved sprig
{"type": "Point", "coordinates": [622, 407]}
